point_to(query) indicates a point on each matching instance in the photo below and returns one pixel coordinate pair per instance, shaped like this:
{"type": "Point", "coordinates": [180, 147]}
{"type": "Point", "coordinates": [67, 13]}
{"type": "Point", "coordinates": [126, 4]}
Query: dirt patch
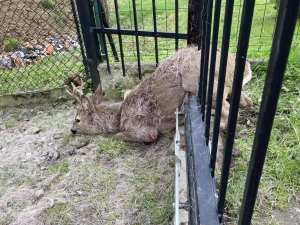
{"type": "Point", "coordinates": [49, 176]}
{"type": "Point", "coordinates": [33, 22]}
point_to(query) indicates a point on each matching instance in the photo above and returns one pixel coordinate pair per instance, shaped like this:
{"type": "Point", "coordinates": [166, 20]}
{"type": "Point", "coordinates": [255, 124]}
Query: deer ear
{"type": "Point", "coordinates": [98, 95]}
{"type": "Point", "coordinates": [86, 105]}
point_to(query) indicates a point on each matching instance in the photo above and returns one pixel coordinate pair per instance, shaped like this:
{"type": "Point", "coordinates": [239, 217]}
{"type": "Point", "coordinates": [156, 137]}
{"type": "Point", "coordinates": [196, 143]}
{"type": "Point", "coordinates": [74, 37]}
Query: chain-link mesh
{"type": "Point", "coordinates": [39, 48]}
{"type": "Point", "coordinates": [262, 30]}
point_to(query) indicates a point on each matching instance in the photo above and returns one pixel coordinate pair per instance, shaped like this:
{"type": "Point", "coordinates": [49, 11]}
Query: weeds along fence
{"type": "Point", "coordinates": [39, 45]}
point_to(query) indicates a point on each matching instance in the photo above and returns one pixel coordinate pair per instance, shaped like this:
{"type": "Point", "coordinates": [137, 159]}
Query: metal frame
{"type": "Point", "coordinates": [196, 135]}
{"type": "Point", "coordinates": [206, 206]}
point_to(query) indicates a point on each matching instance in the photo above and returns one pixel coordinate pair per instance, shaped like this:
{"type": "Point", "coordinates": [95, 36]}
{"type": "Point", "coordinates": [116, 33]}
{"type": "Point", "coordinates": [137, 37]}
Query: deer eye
{"type": "Point", "coordinates": [77, 120]}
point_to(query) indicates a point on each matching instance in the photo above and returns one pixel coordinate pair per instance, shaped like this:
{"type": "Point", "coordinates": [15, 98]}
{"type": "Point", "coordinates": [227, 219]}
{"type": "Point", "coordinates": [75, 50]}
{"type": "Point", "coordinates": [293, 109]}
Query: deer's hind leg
{"type": "Point", "coordinates": [142, 134]}
{"type": "Point", "coordinates": [245, 101]}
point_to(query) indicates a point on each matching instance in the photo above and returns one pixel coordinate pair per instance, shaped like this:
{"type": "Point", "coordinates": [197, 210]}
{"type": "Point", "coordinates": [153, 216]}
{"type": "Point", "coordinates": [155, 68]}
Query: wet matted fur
{"type": "Point", "coordinates": [149, 108]}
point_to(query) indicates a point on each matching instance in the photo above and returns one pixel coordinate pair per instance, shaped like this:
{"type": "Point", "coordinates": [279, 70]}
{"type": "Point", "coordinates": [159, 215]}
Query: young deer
{"type": "Point", "coordinates": [149, 109]}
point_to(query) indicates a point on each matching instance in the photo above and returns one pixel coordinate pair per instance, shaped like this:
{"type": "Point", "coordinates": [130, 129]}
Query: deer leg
{"type": "Point", "coordinates": [245, 101]}
{"type": "Point", "coordinates": [143, 134]}
{"type": "Point", "coordinates": [224, 114]}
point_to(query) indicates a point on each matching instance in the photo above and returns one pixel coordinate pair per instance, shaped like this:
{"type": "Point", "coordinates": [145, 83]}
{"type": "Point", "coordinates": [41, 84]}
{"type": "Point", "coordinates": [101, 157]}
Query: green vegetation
{"type": "Point", "coordinates": [57, 214]}
{"type": "Point", "coordinates": [47, 3]}
{"type": "Point", "coordinates": [9, 123]}
{"type": "Point", "coordinates": [114, 147]}
{"type": "Point", "coordinates": [62, 167]}
{"type": "Point", "coordinates": [60, 17]}
{"type": "Point", "coordinates": [280, 180]}
{"type": "Point", "coordinates": [8, 177]}
{"type": "Point", "coordinates": [120, 88]}
{"type": "Point", "coordinates": [11, 44]}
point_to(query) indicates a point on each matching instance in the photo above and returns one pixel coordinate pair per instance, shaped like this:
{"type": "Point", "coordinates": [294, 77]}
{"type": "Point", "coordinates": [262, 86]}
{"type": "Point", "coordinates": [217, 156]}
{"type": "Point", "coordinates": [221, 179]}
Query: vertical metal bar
{"type": "Point", "coordinates": [222, 73]}
{"type": "Point", "coordinates": [99, 23]}
{"type": "Point", "coordinates": [211, 80]}
{"type": "Point", "coordinates": [279, 55]}
{"type": "Point", "coordinates": [87, 72]}
{"type": "Point", "coordinates": [244, 35]}
{"type": "Point", "coordinates": [155, 31]}
{"type": "Point", "coordinates": [202, 47]}
{"type": "Point", "coordinates": [105, 23]}
{"type": "Point", "coordinates": [194, 22]}
{"type": "Point", "coordinates": [120, 36]}
{"type": "Point", "coordinates": [90, 40]}
{"type": "Point", "coordinates": [176, 24]}
{"type": "Point", "coordinates": [190, 36]}
{"type": "Point", "coordinates": [207, 21]}
{"type": "Point", "coordinates": [104, 42]}
{"type": "Point", "coordinates": [198, 11]}
{"type": "Point", "coordinates": [137, 38]}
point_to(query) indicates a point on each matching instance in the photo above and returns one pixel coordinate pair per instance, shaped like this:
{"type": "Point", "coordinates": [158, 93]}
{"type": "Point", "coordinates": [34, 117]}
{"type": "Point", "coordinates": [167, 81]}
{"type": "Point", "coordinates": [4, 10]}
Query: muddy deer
{"type": "Point", "coordinates": [149, 108]}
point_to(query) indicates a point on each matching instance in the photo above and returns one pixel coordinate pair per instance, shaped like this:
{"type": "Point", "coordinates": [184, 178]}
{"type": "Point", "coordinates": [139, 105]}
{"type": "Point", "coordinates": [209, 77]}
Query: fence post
{"type": "Point", "coordinates": [90, 39]}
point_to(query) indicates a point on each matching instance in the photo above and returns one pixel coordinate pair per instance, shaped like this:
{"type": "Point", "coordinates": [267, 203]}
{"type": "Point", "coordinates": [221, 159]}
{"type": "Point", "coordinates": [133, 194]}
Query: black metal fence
{"type": "Point", "coordinates": [206, 204]}
{"type": "Point", "coordinates": [230, 30]}
{"type": "Point", "coordinates": [39, 46]}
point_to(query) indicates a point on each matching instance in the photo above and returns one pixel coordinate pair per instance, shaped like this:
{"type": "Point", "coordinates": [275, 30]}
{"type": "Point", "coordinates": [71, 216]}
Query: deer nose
{"type": "Point", "coordinates": [73, 131]}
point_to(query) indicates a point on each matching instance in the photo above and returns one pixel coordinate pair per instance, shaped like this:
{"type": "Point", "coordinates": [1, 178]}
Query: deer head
{"type": "Point", "coordinates": [92, 117]}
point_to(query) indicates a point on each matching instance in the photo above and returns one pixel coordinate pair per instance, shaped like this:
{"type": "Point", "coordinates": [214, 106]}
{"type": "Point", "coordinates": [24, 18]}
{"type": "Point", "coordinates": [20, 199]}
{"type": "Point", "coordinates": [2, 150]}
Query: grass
{"type": "Point", "coordinates": [9, 123]}
{"type": "Point", "coordinates": [131, 186]}
{"type": "Point", "coordinates": [113, 182]}
{"type": "Point", "coordinates": [11, 44]}
{"type": "Point", "coordinates": [279, 182]}
{"type": "Point", "coordinates": [115, 148]}
{"type": "Point", "coordinates": [120, 88]}
{"type": "Point", "coordinates": [47, 3]}
{"type": "Point", "coordinates": [60, 17]}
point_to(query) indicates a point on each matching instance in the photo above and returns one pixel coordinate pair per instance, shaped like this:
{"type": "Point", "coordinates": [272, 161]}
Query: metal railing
{"type": "Point", "coordinates": [206, 204]}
